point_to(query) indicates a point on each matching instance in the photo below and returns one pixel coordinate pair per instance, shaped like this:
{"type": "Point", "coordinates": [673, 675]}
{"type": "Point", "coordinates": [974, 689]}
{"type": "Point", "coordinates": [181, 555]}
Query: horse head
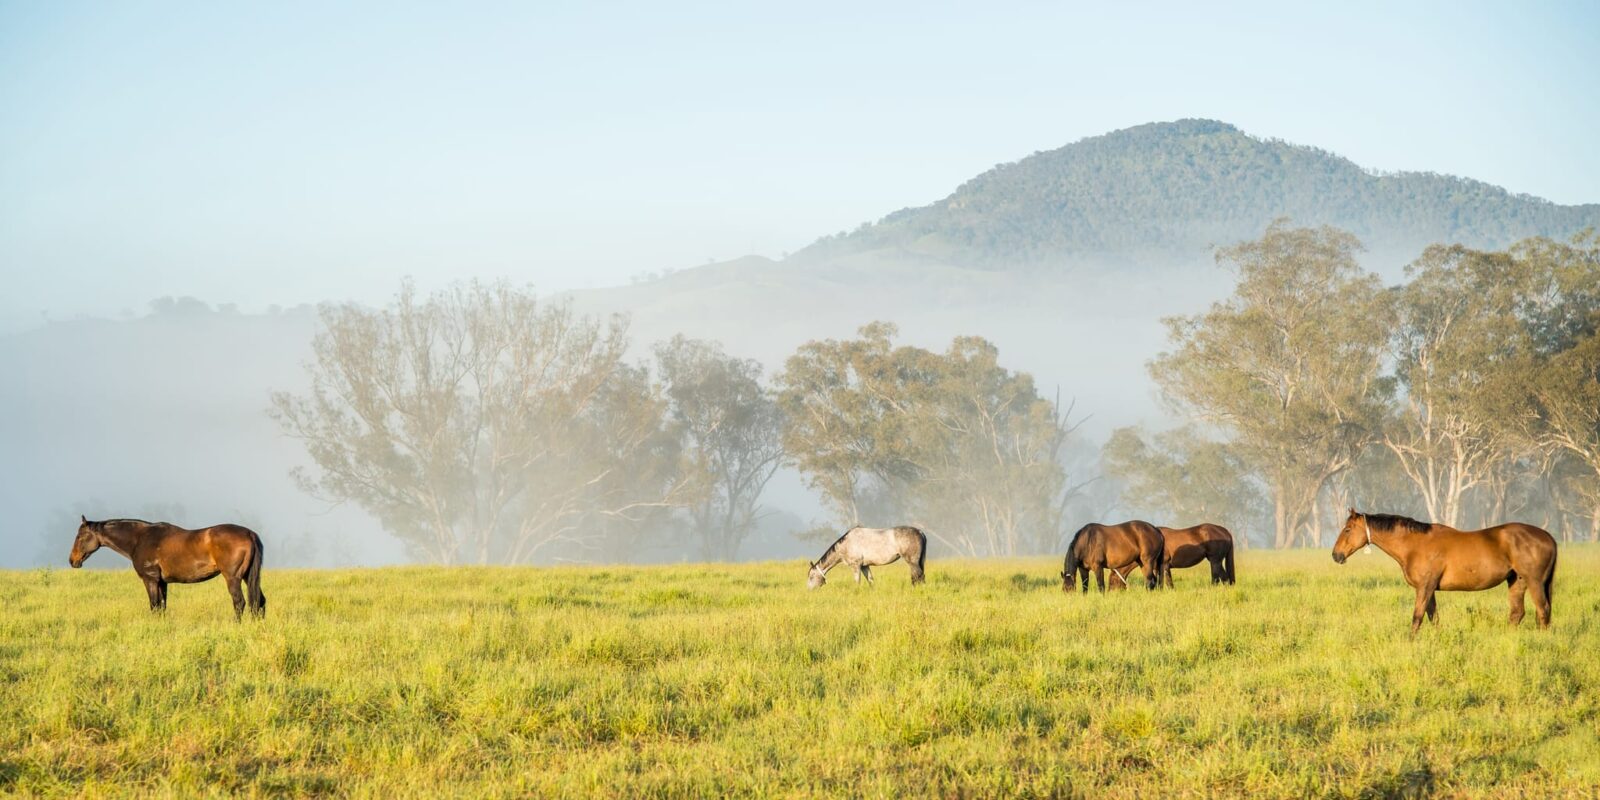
{"type": "Point", "coordinates": [1352, 537]}
{"type": "Point", "coordinates": [815, 577]}
{"type": "Point", "coordinates": [86, 542]}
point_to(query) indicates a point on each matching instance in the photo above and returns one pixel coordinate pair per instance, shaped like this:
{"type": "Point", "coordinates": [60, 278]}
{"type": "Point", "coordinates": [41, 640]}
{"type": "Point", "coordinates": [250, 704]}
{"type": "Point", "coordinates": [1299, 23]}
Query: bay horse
{"type": "Point", "coordinates": [1436, 557]}
{"type": "Point", "coordinates": [163, 553]}
{"type": "Point", "coordinates": [1119, 548]}
{"type": "Point", "coordinates": [1186, 547]}
{"type": "Point", "coordinates": [865, 548]}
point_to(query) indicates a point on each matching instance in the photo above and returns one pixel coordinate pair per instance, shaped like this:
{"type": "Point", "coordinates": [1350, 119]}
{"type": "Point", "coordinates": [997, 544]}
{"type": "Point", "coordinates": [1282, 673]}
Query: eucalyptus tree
{"type": "Point", "coordinates": [1184, 478]}
{"type": "Point", "coordinates": [732, 438]}
{"type": "Point", "coordinates": [952, 442]}
{"type": "Point", "coordinates": [1288, 367]}
{"type": "Point", "coordinates": [1455, 343]}
{"type": "Point", "coordinates": [478, 424]}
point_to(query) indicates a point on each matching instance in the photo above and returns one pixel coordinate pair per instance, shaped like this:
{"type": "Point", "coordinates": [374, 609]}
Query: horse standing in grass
{"type": "Point", "coordinates": [163, 553]}
{"type": "Point", "coordinates": [1119, 548]}
{"type": "Point", "coordinates": [865, 548]}
{"type": "Point", "coordinates": [1437, 557]}
{"type": "Point", "coordinates": [1186, 547]}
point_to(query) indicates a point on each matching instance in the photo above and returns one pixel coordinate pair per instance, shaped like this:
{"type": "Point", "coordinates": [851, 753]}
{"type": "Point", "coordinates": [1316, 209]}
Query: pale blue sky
{"type": "Point", "coordinates": [288, 152]}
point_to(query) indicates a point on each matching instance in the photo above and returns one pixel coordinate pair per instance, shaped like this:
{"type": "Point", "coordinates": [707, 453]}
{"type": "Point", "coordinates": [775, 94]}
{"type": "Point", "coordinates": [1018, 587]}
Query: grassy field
{"type": "Point", "coordinates": [713, 680]}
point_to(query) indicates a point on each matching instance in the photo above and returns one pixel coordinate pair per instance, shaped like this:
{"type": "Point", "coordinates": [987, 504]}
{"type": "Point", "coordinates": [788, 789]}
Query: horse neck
{"type": "Point", "coordinates": [1395, 542]}
{"type": "Point", "coordinates": [120, 536]}
{"type": "Point", "coordinates": [830, 558]}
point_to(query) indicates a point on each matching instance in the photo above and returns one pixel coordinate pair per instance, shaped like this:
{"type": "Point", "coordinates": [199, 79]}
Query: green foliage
{"type": "Point", "coordinates": [1178, 188]}
{"type": "Point", "coordinates": [1288, 367]}
{"type": "Point", "coordinates": [477, 424]}
{"type": "Point", "coordinates": [1184, 479]}
{"type": "Point", "coordinates": [952, 441]}
{"type": "Point", "coordinates": [731, 431]}
{"type": "Point", "coordinates": [711, 681]}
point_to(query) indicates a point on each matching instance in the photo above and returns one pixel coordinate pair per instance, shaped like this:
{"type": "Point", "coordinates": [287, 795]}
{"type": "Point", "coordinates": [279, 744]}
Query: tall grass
{"type": "Point", "coordinates": [712, 680]}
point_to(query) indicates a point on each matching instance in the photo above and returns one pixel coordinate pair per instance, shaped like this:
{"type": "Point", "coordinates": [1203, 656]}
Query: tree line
{"type": "Point", "coordinates": [1468, 395]}
{"type": "Point", "coordinates": [482, 425]}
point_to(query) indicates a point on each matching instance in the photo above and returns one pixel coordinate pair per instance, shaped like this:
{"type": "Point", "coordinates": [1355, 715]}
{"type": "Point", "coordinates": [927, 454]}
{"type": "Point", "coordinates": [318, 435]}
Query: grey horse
{"type": "Point", "coordinates": [865, 548]}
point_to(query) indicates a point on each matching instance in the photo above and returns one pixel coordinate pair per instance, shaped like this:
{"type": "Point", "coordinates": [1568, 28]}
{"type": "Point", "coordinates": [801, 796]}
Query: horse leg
{"type": "Point", "coordinates": [1541, 602]}
{"type": "Point", "coordinates": [1433, 609]}
{"type": "Point", "coordinates": [867, 571]}
{"type": "Point", "coordinates": [1083, 578]}
{"type": "Point", "coordinates": [1425, 591]}
{"type": "Point", "coordinates": [238, 596]}
{"type": "Point", "coordinates": [1100, 578]}
{"type": "Point", "coordinates": [857, 568]}
{"type": "Point", "coordinates": [152, 587]}
{"type": "Point", "coordinates": [1216, 570]}
{"type": "Point", "coordinates": [1519, 587]}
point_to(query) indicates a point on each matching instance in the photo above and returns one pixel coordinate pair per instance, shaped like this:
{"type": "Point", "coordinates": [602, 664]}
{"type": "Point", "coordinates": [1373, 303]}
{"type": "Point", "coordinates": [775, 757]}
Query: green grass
{"type": "Point", "coordinates": [715, 680]}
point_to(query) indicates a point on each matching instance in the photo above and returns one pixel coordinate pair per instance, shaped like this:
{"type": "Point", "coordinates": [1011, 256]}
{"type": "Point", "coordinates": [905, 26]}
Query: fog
{"type": "Point", "coordinates": [165, 413]}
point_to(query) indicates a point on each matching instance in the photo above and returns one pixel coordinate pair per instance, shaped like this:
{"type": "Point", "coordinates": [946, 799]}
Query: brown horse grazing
{"type": "Point", "coordinates": [1118, 548]}
{"type": "Point", "coordinates": [1186, 547]}
{"type": "Point", "coordinates": [163, 553]}
{"type": "Point", "coordinates": [1437, 557]}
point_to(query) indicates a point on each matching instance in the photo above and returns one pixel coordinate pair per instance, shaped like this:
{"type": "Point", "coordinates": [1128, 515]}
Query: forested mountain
{"type": "Point", "coordinates": [1173, 189]}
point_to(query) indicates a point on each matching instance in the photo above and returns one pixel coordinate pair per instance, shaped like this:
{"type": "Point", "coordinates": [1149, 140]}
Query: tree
{"type": "Point", "coordinates": [1456, 332]}
{"type": "Point", "coordinates": [477, 424]}
{"type": "Point", "coordinates": [732, 438]}
{"type": "Point", "coordinates": [1288, 366]}
{"type": "Point", "coordinates": [898, 433]}
{"type": "Point", "coordinates": [1564, 393]}
{"type": "Point", "coordinates": [1184, 477]}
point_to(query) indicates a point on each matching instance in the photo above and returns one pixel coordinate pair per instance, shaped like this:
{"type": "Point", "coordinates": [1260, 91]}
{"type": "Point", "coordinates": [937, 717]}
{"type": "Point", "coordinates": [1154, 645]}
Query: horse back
{"type": "Point", "coordinates": [186, 556]}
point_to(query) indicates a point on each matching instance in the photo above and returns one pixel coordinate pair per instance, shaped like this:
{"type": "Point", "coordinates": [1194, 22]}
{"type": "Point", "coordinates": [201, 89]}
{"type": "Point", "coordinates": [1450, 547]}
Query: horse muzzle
{"type": "Point", "coordinates": [1338, 558]}
{"type": "Point", "coordinates": [76, 563]}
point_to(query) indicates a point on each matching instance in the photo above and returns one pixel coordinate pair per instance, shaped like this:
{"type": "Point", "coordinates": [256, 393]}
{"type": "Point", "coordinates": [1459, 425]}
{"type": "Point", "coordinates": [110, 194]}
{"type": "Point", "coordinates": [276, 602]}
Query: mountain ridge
{"type": "Point", "coordinates": [1174, 189]}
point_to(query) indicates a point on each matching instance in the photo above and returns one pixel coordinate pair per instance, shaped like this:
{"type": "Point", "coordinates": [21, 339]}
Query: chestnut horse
{"type": "Point", "coordinates": [1119, 548]}
{"type": "Point", "coordinates": [1437, 557]}
{"type": "Point", "coordinates": [163, 553]}
{"type": "Point", "coordinates": [1186, 547]}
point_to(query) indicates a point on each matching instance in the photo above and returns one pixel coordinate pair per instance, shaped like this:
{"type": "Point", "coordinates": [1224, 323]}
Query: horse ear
{"type": "Point", "coordinates": [1353, 512]}
{"type": "Point", "coordinates": [84, 518]}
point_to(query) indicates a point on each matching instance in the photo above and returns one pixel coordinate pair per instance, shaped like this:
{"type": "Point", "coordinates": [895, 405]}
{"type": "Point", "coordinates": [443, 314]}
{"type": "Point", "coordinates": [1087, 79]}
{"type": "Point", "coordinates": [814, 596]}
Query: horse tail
{"type": "Point", "coordinates": [252, 577]}
{"type": "Point", "coordinates": [1550, 580]}
{"type": "Point", "coordinates": [1073, 562]}
{"type": "Point", "coordinates": [917, 575]}
{"type": "Point", "coordinates": [1227, 563]}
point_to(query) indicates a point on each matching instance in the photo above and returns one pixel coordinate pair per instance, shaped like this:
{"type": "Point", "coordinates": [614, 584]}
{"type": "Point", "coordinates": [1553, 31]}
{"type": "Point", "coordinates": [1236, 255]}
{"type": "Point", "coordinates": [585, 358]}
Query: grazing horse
{"type": "Point", "coordinates": [865, 548]}
{"type": "Point", "coordinates": [163, 553]}
{"type": "Point", "coordinates": [1186, 547]}
{"type": "Point", "coordinates": [1119, 548]}
{"type": "Point", "coordinates": [1437, 557]}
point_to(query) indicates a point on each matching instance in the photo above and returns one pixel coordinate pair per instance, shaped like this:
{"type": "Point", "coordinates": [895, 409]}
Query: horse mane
{"type": "Point", "coordinates": [1384, 523]}
{"type": "Point", "coordinates": [103, 524]}
{"type": "Point", "coordinates": [835, 544]}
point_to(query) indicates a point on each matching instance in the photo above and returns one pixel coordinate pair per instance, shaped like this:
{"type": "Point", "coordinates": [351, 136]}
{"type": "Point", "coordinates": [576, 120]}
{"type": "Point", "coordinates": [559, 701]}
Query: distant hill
{"type": "Point", "coordinates": [1173, 189]}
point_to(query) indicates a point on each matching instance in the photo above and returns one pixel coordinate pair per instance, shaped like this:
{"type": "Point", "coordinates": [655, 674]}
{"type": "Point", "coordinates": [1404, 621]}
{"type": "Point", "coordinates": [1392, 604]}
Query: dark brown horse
{"type": "Point", "coordinates": [1186, 547]}
{"type": "Point", "coordinates": [1118, 548]}
{"type": "Point", "coordinates": [1437, 557]}
{"type": "Point", "coordinates": [163, 553]}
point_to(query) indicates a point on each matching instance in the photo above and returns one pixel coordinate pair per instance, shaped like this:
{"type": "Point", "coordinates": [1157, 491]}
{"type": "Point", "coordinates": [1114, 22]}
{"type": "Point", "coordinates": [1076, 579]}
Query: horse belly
{"type": "Point", "coordinates": [1473, 577]}
{"type": "Point", "coordinates": [1186, 556]}
{"type": "Point", "coordinates": [189, 573]}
